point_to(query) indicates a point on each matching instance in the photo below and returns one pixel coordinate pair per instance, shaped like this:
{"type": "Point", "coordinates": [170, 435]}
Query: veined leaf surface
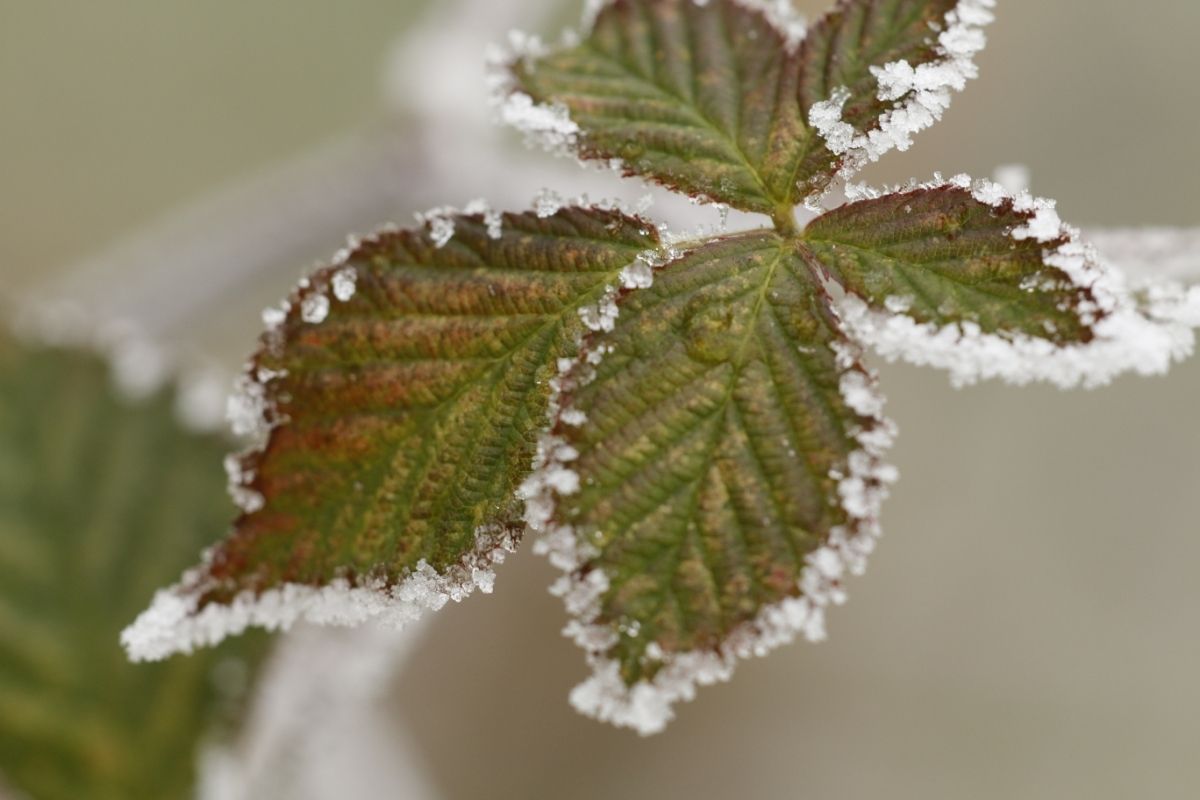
{"type": "Point", "coordinates": [720, 427]}
{"type": "Point", "coordinates": [711, 100]}
{"type": "Point", "coordinates": [405, 388]}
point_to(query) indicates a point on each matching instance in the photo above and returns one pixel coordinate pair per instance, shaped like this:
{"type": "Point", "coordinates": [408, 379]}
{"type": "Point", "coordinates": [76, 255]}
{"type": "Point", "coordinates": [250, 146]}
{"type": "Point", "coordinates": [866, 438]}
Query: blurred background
{"type": "Point", "coordinates": [1030, 626]}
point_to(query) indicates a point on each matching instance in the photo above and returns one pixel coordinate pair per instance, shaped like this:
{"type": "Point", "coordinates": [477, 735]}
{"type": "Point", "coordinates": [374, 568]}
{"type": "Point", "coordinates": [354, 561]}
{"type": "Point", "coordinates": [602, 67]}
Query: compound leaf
{"type": "Point", "coordinates": [101, 501]}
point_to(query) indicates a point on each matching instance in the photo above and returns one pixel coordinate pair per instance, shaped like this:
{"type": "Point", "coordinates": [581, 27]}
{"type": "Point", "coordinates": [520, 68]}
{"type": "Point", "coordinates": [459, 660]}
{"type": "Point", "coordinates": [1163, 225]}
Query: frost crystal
{"type": "Point", "coordinates": [175, 622]}
{"type": "Point", "coordinates": [547, 203]}
{"type": "Point", "coordinates": [1126, 337]}
{"type": "Point", "coordinates": [273, 318]}
{"type": "Point", "coordinates": [344, 283]}
{"type": "Point", "coordinates": [246, 409]}
{"type": "Point", "coordinates": [494, 220]}
{"type": "Point", "coordinates": [919, 95]}
{"type": "Point", "coordinates": [314, 308]}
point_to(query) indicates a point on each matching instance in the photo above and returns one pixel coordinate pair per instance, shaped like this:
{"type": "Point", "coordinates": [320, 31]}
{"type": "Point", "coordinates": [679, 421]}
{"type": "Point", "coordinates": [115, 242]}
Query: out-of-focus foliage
{"type": "Point", "coordinates": [101, 500]}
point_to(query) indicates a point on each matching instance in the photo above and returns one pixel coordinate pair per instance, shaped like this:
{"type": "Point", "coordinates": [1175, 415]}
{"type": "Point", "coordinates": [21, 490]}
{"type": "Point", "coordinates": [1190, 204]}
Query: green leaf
{"type": "Point", "coordinates": [405, 416]}
{"type": "Point", "coordinates": [712, 449]}
{"type": "Point", "coordinates": [101, 501]}
{"type": "Point", "coordinates": [942, 257]}
{"type": "Point", "coordinates": [702, 99]}
{"type": "Point", "coordinates": [710, 100]}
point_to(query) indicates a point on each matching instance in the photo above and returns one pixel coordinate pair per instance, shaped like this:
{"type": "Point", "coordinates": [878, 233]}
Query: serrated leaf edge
{"type": "Point", "coordinates": [1128, 337]}
{"type": "Point", "coordinates": [548, 126]}
{"type": "Point", "coordinates": [647, 706]}
{"type": "Point", "coordinates": [919, 96]}
{"type": "Point", "coordinates": [174, 622]}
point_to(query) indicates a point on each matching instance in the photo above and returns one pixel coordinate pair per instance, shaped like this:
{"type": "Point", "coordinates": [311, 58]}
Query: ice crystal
{"type": "Point", "coordinates": [1126, 338]}
{"type": "Point", "coordinates": [919, 95]}
{"type": "Point", "coordinates": [175, 622]}
{"type": "Point", "coordinates": [344, 283]}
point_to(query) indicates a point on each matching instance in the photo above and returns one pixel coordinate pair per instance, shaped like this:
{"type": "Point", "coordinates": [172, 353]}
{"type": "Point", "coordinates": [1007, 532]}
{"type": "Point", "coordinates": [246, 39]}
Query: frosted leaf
{"type": "Point", "coordinates": [384, 407]}
{"type": "Point", "coordinates": [716, 136]}
{"type": "Point", "coordinates": [1021, 299]}
{"type": "Point", "coordinates": [618, 414]}
{"type": "Point", "coordinates": [915, 96]}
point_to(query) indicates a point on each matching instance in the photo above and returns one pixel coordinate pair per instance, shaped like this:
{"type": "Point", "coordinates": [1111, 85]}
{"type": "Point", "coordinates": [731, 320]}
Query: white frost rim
{"type": "Point", "coordinates": [647, 706]}
{"type": "Point", "coordinates": [549, 126]}
{"type": "Point", "coordinates": [919, 95]}
{"type": "Point", "coordinates": [1145, 332]}
{"type": "Point", "coordinates": [174, 624]}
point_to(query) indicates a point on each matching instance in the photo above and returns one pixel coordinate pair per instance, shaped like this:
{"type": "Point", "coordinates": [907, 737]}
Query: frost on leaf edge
{"type": "Point", "coordinates": [548, 126]}
{"type": "Point", "coordinates": [175, 623]}
{"type": "Point", "coordinates": [1129, 336]}
{"type": "Point", "coordinates": [919, 96]}
{"type": "Point", "coordinates": [647, 706]}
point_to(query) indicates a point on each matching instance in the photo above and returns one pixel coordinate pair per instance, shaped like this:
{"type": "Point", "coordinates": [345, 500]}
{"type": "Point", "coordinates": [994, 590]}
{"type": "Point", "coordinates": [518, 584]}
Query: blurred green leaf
{"type": "Point", "coordinates": [101, 502]}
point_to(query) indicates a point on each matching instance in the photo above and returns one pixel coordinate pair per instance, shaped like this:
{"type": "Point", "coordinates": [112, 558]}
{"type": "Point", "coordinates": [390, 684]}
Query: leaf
{"type": "Point", "coordinates": [100, 502]}
{"type": "Point", "coordinates": [710, 100]}
{"type": "Point", "coordinates": [843, 46]}
{"type": "Point", "coordinates": [404, 417]}
{"type": "Point", "coordinates": [702, 99]}
{"type": "Point", "coordinates": [715, 467]}
{"type": "Point", "coordinates": [959, 276]}
{"type": "Point", "coordinates": [945, 257]}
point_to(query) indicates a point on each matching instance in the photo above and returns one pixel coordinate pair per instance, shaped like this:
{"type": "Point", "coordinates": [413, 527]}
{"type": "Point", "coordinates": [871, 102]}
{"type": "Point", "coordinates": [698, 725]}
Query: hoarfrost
{"type": "Point", "coordinates": [441, 225]}
{"type": "Point", "coordinates": [274, 317]}
{"type": "Point", "coordinates": [493, 220]}
{"type": "Point", "coordinates": [238, 486]}
{"type": "Point", "coordinates": [175, 622]}
{"type": "Point", "coordinates": [314, 308]}
{"type": "Point", "coordinates": [547, 203]}
{"type": "Point", "coordinates": [246, 408]}
{"type": "Point", "coordinates": [344, 283]}
{"type": "Point", "coordinates": [919, 95]}
{"type": "Point", "coordinates": [1144, 338]}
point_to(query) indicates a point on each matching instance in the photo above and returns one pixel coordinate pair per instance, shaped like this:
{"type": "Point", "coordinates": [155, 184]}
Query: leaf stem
{"type": "Point", "coordinates": [785, 220]}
